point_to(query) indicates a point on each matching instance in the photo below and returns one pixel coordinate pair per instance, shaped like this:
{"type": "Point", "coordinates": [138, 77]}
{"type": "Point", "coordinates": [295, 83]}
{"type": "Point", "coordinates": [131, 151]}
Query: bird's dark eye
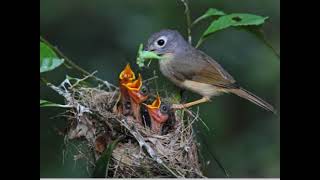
{"type": "Point", "coordinates": [160, 42]}
{"type": "Point", "coordinates": [164, 108]}
{"type": "Point", "coordinates": [127, 105]}
{"type": "Point", "coordinates": [144, 90]}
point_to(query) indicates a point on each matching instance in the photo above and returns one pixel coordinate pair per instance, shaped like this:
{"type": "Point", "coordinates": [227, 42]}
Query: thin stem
{"type": "Point", "coordinates": [201, 40]}
{"type": "Point", "coordinates": [64, 57]}
{"type": "Point", "coordinates": [195, 22]}
{"type": "Point", "coordinates": [42, 79]}
{"type": "Point", "coordinates": [264, 39]}
{"type": "Point", "coordinates": [155, 81]}
{"type": "Point", "coordinates": [75, 66]}
{"type": "Point", "coordinates": [187, 12]}
{"type": "Point", "coordinates": [150, 79]}
{"type": "Point", "coordinates": [80, 80]}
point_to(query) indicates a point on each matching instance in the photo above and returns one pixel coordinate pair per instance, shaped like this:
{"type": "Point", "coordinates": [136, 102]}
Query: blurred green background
{"type": "Point", "coordinates": [104, 35]}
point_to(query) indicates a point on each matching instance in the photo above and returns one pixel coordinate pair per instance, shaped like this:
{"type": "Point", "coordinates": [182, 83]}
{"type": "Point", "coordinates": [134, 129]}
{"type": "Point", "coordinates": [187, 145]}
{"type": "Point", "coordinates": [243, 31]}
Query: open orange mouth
{"type": "Point", "coordinates": [154, 111]}
{"type": "Point", "coordinates": [134, 90]}
{"type": "Point", "coordinates": [155, 104]}
{"type": "Point", "coordinates": [126, 75]}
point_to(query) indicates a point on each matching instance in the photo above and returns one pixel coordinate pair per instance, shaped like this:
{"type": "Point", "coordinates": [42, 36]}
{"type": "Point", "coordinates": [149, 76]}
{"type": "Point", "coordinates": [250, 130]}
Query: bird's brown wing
{"type": "Point", "coordinates": [199, 67]}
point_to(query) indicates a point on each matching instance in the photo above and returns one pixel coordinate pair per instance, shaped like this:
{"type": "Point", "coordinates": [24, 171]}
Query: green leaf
{"type": "Point", "coordinates": [144, 55]}
{"type": "Point", "coordinates": [232, 20]}
{"type": "Point", "coordinates": [235, 19]}
{"type": "Point", "coordinates": [209, 13]}
{"type": "Point", "coordinates": [45, 103]}
{"type": "Point", "coordinates": [102, 165]}
{"type": "Point", "coordinates": [48, 58]}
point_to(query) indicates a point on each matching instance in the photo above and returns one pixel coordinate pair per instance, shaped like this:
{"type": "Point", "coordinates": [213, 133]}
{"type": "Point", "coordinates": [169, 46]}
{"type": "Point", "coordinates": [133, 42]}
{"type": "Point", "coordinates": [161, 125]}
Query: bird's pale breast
{"type": "Point", "coordinates": [203, 89]}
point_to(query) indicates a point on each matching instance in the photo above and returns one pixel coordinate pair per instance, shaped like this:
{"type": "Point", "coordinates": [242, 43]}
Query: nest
{"type": "Point", "coordinates": [139, 152]}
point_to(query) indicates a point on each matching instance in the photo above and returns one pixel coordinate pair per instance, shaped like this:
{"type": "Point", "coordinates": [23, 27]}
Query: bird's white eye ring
{"type": "Point", "coordinates": [161, 41]}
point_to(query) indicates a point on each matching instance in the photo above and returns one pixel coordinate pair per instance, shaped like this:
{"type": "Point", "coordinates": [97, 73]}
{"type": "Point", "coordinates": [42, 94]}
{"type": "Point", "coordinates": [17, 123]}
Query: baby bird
{"type": "Point", "coordinates": [138, 93]}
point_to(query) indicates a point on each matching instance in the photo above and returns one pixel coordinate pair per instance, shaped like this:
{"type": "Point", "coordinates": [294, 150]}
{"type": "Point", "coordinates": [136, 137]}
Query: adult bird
{"type": "Point", "coordinates": [192, 69]}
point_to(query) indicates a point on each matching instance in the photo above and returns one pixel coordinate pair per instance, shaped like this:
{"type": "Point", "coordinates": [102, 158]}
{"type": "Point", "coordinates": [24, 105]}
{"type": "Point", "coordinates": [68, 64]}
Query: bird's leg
{"type": "Point", "coordinates": [187, 105]}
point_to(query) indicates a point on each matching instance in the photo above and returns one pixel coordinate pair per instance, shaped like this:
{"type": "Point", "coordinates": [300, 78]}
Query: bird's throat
{"type": "Point", "coordinates": [166, 57]}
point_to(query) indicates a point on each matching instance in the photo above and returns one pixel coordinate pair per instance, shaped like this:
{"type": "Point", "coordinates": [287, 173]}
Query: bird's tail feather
{"type": "Point", "coordinates": [253, 98]}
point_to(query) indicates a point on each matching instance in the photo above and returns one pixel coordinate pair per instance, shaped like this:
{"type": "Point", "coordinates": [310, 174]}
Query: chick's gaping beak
{"type": "Point", "coordinates": [134, 90]}
{"type": "Point", "coordinates": [126, 75]}
{"type": "Point", "coordinates": [136, 97]}
{"type": "Point", "coordinates": [155, 113]}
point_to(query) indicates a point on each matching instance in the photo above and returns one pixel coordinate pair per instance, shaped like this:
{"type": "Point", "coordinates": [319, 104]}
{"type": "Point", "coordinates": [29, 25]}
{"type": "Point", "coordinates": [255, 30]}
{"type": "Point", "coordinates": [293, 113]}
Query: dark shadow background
{"type": "Point", "coordinates": [104, 35]}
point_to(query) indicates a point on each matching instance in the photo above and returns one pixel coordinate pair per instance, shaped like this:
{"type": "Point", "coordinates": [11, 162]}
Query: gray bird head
{"type": "Point", "coordinates": [166, 41]}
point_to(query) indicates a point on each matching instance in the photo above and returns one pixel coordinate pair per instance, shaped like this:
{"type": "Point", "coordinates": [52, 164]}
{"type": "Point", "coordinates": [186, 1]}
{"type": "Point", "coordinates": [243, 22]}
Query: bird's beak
{"type": "Point", "coordinates": [146, 48]}
{"type": "Point", "coordinates": [157, 118]}
{"type": "Point", "coordinates": [133, 89]}
{"type": "Point", "coordinates": [155, 113]}
{"type": "Point", "coordinates": [126, 75]}
{"type": "Point", "coordinates": [150, 48]}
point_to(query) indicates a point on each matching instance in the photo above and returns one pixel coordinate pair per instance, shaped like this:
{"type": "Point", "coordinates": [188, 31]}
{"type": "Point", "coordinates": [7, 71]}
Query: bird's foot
{"type": "Point", "coordinates": [187, 105]}
{"type": "Point", "coordinates": [177, 106]}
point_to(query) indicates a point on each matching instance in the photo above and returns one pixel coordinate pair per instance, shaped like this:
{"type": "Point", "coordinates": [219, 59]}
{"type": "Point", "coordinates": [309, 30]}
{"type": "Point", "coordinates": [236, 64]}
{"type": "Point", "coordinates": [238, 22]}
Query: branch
{"type": "Point", "coordinates": [75, 66]}
{"type": "Point", "coordinates": [80, 80]}
{"type": "Point", "coordinates": [63, 91]}
{"type": "Point", "coordinates": [44, 81]}
{"type": "Point", "coordinates": [187, 12]}
{"type": "Point", "coordinates": [201, 40]}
